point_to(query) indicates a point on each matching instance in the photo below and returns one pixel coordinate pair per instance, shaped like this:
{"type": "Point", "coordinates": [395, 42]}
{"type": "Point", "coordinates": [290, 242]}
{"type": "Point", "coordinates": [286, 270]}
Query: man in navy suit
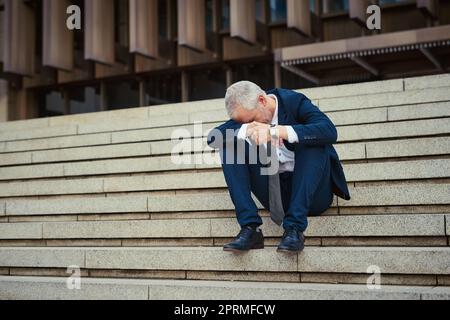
{"type": "Point", "coordinates": [308, 171]}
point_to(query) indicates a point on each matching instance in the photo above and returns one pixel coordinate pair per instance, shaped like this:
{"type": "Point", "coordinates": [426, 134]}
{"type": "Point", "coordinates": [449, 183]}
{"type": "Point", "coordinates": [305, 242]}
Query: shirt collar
{"type": "Point", "coordinates": [275, 114]}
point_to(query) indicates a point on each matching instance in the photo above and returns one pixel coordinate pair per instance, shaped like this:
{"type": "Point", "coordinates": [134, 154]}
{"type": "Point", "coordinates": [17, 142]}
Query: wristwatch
{"type": "Point", "coordinates": [274, 132]}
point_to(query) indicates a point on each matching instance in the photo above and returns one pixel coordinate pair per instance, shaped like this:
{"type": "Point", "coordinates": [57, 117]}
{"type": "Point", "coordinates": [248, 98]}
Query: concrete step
{"type": "Point", "coordinates": [117, 125]}
{"type": "Point", "coordinates": [349, 151]}
{"type": "Point", "coordinates": [363, 196]}
{"type": "Point", "coordinates": [74, 154]}
{"type": "Point", "coordinates": [433, 81]}
{"type": "Point", "coordinates": [56, 142]}
{"type": "Point", "coordinates": [413, 225]}
{"type": "Point", "coordinates": [157, 224]}
{"type": "Point", "coordinates": [390, 260]}
{"type": "Point", "coordinates": [398, 195]}
{"type": "Point", "coordinates": [384, 195]}
{"type": "Point", "coordinates": [406, 148]}
{"type": "Point", "coordinates": [53, 288]}
{"type": "Point", "coordinates": [348, 90]}
{"type": "Point", "coordinates": [80, 205]}
{"type": "Point", "coordinates": [151, 225]}
{"type": "Point", "coordinates": [413, 112]}
{"type": "Point", "coordinates": [358, 89]}
{"type": "Point", "coordinates": [314, 93]}
{"type": "Point", "coordinates": [394, 130]}
{"type": "Point", "coordinates": [72, 119]}
{"type": "Point", "coordinates": [418, 111]}
{"type": "Point", "coordinates": [39, 133]}
{"type": "Point", "coordinates": [384, 100]}
{"type": "Point", "coordinates": [353, 103]}
{"type": "Point", "coordinates": [361, 172]}
{"type": "Point", "coordinates": [166, 147]}
{"type": "Point", "coordinates": [361, 89]}
{"type": "Point", "coordinates": [359, 116]}
{"type": "Point", "coordinates": [385, 130]}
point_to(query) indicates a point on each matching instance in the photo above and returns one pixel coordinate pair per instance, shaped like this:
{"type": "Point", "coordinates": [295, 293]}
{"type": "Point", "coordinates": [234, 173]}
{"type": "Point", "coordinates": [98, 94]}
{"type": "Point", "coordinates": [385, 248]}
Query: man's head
{"type": "Point", "coordinates": [247, 102]}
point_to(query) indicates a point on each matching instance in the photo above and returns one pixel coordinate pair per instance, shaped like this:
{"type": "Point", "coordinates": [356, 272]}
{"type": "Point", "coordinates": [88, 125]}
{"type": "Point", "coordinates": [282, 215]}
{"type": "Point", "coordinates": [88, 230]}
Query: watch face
{"type": "Point", "coordinates": [273, 132]}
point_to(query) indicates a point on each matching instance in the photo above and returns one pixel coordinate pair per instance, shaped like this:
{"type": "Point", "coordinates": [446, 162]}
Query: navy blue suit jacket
{"type": "Point", "coordinates": [312, 126]}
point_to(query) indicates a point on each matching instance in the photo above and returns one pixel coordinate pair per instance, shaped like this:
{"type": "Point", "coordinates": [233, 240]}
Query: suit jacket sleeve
{"type": "Point", "coordinates": [223, 134]}
{"type": "Point", "coordinates": [314, 127]}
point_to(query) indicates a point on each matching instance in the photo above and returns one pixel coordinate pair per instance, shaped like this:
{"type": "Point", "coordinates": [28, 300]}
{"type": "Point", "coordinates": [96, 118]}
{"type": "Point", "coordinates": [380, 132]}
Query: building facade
{"type": "Point", "coordinates": [130, 53]}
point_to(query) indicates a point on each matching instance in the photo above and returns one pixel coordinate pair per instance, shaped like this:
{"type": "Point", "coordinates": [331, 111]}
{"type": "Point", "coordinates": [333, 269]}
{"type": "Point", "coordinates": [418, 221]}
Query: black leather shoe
{"type": "Point", "coordinates": [293, 241]}
{"type": "Point", "coordinates": [248, 238]}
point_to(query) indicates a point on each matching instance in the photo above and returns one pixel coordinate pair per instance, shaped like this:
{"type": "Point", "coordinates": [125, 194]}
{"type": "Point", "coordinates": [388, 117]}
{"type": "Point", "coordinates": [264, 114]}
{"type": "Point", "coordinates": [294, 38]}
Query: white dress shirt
{"type": "Point", "coordinates": [285, 156]}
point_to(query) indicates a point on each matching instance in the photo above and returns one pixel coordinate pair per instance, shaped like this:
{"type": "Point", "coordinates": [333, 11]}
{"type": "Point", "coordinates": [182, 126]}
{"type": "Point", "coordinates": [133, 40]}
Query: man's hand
{"type": "Point", "coordinates": [258, 132]}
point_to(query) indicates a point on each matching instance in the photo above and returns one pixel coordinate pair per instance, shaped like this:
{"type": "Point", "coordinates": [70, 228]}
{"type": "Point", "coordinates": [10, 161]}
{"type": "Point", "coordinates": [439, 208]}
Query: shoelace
{"type": "Point", "coordinates": [291, 233]}
{"type": "Point", "coordinates": [243, 231]}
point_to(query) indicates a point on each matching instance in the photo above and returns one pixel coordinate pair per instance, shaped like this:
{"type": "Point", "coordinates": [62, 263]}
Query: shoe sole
{"type": "Point", "coordinates": [290, 251]}
{"type": "Point", "coordinates": [237, 250]}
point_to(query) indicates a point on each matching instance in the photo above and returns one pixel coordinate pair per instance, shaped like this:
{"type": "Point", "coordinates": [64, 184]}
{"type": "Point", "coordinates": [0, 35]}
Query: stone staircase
{"type": "Point", "coordinates": [100, 191]}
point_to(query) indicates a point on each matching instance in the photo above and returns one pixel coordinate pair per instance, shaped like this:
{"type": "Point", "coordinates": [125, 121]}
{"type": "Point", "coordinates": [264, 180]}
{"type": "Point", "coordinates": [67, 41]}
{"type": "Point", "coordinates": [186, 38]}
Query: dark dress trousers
{"type": "Point", "coordinates": [317, 175]}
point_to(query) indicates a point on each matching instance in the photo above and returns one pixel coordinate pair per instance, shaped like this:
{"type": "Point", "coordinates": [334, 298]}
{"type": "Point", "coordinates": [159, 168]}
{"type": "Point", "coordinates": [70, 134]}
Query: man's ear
{"type": "Point", "coordinates": [262, 100]}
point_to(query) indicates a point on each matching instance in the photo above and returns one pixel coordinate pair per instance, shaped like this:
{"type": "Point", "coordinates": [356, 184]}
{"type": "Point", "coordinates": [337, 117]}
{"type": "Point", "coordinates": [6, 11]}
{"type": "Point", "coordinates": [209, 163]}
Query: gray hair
{"type": "Point", "coordinates": [244, 94]}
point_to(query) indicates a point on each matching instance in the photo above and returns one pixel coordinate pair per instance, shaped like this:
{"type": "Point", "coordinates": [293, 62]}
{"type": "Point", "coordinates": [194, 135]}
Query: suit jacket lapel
{"type": "Point", "coordinates": [282, 116]}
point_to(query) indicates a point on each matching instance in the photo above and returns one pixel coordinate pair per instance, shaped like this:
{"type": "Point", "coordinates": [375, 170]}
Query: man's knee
{"type": "Point", "coordinates": [318, 211]}
{"type": "Point", "coordinates": [323, 198]}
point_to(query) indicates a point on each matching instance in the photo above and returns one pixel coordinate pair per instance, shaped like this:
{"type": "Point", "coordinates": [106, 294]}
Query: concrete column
{"type": "Point", "coordinates": [326, 6]}
{"type": "Point", "coordinates": [4, 114]}
{"type": "Point", "coordinates": [229, 75]}
{"type": "Point", "coordinates": [20, 105]}
{"type": "Point", "coordinates": [277, 74]}
{"type": "Point", "coordinates": [184, 86]}
{"type": "Point", "coordinates": [142, 100]}
{"type": "Point", "coordinates": [103, 97]}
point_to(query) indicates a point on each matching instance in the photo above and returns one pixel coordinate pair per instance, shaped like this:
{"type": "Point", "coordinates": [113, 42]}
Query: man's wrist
{"type": "Point", "coordinates": [282, 132]}
{"type": "Point", "coordinates": [273, 132]}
